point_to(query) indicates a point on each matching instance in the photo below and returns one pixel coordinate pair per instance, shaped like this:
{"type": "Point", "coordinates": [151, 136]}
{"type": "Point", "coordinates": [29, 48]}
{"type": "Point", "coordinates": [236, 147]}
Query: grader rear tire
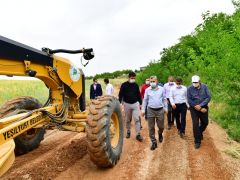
{"type": "Point", "coordinates": [31, 139]}
{"type": "Point", "coordinates": [105, 131]}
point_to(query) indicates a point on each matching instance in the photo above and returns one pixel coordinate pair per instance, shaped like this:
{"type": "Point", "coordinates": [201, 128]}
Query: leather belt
{"type": "Point", "coordinates": [155, 109]}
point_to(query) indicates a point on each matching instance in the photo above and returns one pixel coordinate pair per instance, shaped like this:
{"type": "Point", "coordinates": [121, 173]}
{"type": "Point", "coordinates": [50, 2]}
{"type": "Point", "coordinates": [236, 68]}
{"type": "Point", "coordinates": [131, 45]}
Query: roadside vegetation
{"type": "Point", "coordinates": [212, 52]}
{"type": "Point", "coordinates": [112, 75]}
{"type": "Point", "coordinates": [10, 89]}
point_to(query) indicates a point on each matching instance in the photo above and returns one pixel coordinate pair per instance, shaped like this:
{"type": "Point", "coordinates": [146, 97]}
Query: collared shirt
{"type": "Point", "coordinates": [154, 98]}
{"type": "Point", "coordinates": [109, 89]}
{"type": "Point", "coordinates": [178, 95]}
{"type": "Point", "coordinates": [199, 96]}
{"type": "Point", "coordinates": [143, 89]}
{"type": "Point", "coordinates": [167, 88]}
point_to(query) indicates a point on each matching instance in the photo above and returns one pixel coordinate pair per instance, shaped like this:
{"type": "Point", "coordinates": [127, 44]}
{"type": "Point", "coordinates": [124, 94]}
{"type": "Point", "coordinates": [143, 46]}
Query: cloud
{"type": "Point", "coordinates": [125, 34]}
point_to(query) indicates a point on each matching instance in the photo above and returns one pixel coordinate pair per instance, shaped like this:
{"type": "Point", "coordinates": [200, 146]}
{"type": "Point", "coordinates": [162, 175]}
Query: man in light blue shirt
{"type": "Point", "coordinates": [167, 87]}
{"type": "Point", "coordinates": [154, 101]}
{"type": "Point", "coordinates": [178, 100]}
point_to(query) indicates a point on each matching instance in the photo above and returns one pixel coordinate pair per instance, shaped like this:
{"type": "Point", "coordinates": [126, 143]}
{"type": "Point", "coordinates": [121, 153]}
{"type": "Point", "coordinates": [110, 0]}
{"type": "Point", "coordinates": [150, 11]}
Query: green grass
{"type": "Point", "coordinates": [10, 89]}
{"type": "Point", "coordinates": [234, 152]}
{"type": "Point", "coordinates": [228, 117]}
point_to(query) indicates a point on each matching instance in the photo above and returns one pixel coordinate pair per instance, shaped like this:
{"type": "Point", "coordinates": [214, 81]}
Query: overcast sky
{"type": "Point", "coordinates": [125, 34]}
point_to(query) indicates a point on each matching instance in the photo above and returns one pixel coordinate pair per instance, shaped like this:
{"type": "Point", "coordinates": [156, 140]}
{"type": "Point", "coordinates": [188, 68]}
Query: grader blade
{"type": "Point", "coordinates": [7, 156]}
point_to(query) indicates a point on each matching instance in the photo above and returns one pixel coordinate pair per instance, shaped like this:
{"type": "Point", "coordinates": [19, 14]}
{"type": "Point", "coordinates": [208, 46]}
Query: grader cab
{"type": "Point", "coordinates": [23, 120]}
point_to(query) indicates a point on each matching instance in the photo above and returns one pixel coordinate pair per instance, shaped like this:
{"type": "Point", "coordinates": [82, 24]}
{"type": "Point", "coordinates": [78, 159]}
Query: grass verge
{"type": "Point", "coordinates": [228, 117]}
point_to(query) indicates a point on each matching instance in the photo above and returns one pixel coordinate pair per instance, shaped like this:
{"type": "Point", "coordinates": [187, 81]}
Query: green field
{"type": "Point", "coordinates": [10, 89]}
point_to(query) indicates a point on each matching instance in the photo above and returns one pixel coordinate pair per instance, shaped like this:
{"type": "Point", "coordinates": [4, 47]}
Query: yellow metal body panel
{"type": "Point", "coordinates": [75, 127]}
{"type": "Point", "coordinates": [11, 119]}
{"type": "Point", "coordinates": [114, 130]}
{"type": "Point", "coordinates": [18, 68]}
{"type": "Point", "coordinates": [16, 128]}
{"type": "Point", "coordinates": [63, 67]}
{"type": "Point", "coordinates": [5, 121]}
{"type": "Point", "coordinates": [82, 115]}
{"type": "Point", "coordinates": [54, 77]}
{"type": "Point", "coordinates": [7, 156]}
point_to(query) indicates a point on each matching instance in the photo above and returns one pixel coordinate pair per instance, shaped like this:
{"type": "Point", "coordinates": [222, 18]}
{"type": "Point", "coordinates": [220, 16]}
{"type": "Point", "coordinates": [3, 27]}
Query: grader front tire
{"type": "Point", "coordinates": [105, 131]}
{"type": "Point", "coordinates": [31, 139]}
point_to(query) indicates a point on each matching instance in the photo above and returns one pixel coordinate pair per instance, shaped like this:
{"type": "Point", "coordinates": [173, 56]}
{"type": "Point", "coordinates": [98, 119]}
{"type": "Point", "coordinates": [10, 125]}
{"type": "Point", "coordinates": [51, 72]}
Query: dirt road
{"type": "Point", "coordinates": [63, 155]}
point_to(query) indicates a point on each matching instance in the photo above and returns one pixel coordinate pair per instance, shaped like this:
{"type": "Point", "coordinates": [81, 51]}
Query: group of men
{"type": "Point", "coordinates": [154, 99]}
{"type": "Point", "coordinates": [173, 98]}
{"type": "Point", "coordinates": [96, 88]}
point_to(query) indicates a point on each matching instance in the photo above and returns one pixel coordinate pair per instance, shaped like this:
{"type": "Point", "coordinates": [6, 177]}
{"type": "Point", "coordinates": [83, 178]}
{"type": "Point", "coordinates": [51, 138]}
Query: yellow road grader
{"type": "Point", "coordinates": [24, 121]}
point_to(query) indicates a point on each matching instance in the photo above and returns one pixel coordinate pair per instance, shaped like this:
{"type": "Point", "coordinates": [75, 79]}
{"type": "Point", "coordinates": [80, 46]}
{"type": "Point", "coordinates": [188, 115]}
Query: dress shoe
{"type": "Point", "coordinates": [128, 135]}
{"type": "Point", "coordinates": [154, 146]}
{"type": "Point", "coordinates": [139, 138]}
{"type": "Point", "coordinates": [182, 135]}
{"type": "Point", "coordinates": [197, 145]}
{"type": "Point", "coordinates": [160, 137]}
{"type": "Point", "coordinates": [178, 132]}
{"type": "Point", "coordinates": [169, 127]}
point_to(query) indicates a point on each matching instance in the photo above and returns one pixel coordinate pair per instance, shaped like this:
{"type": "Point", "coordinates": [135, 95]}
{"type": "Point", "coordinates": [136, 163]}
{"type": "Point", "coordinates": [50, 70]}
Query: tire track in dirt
{"type": "Point", "coordinates": [127, 168]}
{"type": "Point", "coordinates": [206, 162]}
{"type": "Point", "coordinates": [178, 159]}
{"type": "Point", "coordinates": [59, 151]}
{"type": "Point", "coordinates": [170, 160]}
{"type": "Point", "coordinates": [224, 144]}
{"type": "Point", "coordinates": [62, 155]}
{"type": "Point", "coordinates": [52, 139]}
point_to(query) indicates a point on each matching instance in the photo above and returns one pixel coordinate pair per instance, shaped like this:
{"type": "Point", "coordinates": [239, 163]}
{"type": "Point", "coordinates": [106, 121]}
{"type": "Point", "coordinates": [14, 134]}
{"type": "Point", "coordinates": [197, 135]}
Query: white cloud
{"type": "Point", "coordinates": [125, 34]}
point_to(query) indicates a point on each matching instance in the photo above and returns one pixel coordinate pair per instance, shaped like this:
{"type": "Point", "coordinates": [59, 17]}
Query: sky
{"type": "Point", "coordinates": [125, 34]}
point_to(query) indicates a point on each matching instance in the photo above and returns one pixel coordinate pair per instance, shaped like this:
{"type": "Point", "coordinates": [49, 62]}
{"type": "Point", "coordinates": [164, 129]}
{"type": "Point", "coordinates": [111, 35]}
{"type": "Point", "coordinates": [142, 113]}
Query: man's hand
{"type": "Point", "coordinates": [166, 101]}
{"type": "Point", "coordinates": [198, 107]}
{"type": "Point", "coordinates": [143, 114]}
{"type": "Point", "coordinates": [165, 110]}
{"type": "Point", "coordinates": [203, 110]}
{"type": "Point", "coordinates": [174, 106]}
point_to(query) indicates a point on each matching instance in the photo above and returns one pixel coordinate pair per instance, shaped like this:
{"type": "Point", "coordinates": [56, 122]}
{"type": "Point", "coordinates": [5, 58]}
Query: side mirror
{"type": "Point", "coordinates": [88, 55]}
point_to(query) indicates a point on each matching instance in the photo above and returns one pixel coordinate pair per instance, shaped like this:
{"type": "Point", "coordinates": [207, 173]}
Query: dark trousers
{"type": "Point", "coordinates": [198, 126]}
{"type": "Point", "coordinates": [180, 114]}
{"type": "Point", "coordinates": [170, 114]}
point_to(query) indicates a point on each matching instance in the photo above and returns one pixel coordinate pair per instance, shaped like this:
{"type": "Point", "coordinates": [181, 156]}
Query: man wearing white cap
{"type": "Point", "coordinates": [198, 98]}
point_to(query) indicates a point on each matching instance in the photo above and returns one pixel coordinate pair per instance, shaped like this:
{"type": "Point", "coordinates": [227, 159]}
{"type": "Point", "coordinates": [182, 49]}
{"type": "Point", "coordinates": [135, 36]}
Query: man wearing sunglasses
{"type": "Point", "coordinates": [154, 101]}
{"type": "Point", "coordinates": [130, 96]}
{"type": "Point", "coordinates": [178, 100]}
{"type": "Point", "coordinates": [198, 98]}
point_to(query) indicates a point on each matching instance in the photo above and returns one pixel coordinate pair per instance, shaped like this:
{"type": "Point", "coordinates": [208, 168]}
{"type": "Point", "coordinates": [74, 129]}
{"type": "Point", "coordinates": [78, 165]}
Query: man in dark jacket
{"type": "Point", "coordinates": [130, 96]}
{"type": "Point", "coordinates": [198, 97]}
{"type": "Point", "coordinates": [95, 89]}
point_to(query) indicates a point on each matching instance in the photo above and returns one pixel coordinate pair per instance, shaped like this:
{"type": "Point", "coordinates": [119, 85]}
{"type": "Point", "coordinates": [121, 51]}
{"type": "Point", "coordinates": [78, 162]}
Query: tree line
{"type": "Point", "coordinates": [112, 75]}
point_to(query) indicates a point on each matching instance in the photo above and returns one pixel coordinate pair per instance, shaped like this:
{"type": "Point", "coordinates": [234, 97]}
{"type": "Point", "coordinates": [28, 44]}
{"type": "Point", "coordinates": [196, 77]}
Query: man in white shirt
{"type": "Point", "coordinates": [167, 87]}
{"type": "Point", "coordinates": [154, 101]}
{"type": "Point", "coordinates": [178, 100]}
{"type": "Point", "coordinates": [109, 87]}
